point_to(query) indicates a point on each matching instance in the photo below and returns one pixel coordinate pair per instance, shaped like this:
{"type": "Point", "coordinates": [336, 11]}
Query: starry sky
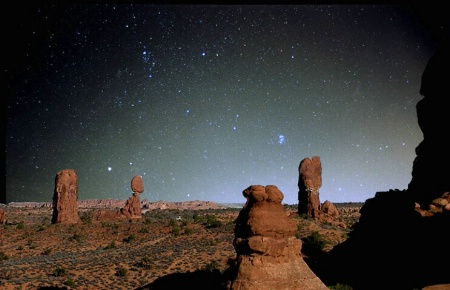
{"type": "Point", "coordinates": [203, 101]}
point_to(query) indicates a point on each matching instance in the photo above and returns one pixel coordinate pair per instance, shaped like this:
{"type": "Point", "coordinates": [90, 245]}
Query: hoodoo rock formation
{"type": "Point", "coordinates": [309, 182]}
{"type": "Point", "coordinates": [268, 253]}
{"type": "Point", "coordinates": [132, 208]}
{"type": "Point", "coordinates": [400, 239]}
{"type": "Point", "coordinates": [65, 197]}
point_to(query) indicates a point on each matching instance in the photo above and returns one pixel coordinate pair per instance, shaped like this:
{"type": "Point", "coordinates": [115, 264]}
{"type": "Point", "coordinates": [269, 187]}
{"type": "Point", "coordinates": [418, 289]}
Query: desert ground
{"type": "Point", "coordinates": [131, 254]}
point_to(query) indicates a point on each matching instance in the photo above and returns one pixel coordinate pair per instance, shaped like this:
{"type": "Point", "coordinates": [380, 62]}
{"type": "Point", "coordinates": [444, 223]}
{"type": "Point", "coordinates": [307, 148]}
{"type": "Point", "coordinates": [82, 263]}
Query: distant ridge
{"type": "Point", "coordinates": [119, 203]}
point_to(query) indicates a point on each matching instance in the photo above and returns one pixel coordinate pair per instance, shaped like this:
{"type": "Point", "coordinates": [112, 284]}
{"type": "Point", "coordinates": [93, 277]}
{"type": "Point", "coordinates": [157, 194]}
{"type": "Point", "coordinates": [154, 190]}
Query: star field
{"type": "Point", "coordinates": [204, 101]}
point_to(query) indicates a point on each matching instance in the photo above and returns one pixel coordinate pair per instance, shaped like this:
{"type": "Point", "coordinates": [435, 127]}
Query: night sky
{"type": "Point", "coordinates": [203, 101]}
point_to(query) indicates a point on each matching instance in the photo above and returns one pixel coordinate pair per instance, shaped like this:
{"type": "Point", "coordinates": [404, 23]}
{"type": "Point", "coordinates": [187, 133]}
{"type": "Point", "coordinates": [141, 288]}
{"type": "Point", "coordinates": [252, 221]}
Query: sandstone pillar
{"type": "Point", "coordinates": [309, 182]}
{"type": "Point", "coordinates": [65, 197]}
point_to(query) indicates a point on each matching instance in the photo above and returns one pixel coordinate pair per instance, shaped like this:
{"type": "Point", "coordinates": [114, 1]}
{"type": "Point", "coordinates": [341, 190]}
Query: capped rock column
{"type": "Point", "coordinates": [65, 197]}
{"type": "Point", "coordinates": [132, 208]}
{"type": "Point", "coordinates": [268, 253]}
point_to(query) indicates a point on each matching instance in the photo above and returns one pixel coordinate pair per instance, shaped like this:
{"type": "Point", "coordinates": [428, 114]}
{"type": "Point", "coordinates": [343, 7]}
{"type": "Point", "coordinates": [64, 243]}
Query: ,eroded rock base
{"type": "Point", "coordinates": [132, 208]}
{"type": "Point", "coordinates": [266, 272]}
{"type": "Point", "coordinates": [268, 253]}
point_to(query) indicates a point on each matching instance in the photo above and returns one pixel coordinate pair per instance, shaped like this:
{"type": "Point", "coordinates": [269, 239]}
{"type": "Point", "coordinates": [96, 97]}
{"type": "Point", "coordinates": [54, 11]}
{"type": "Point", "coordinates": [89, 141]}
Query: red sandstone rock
{"type": "Point", "coordinates": [137, 184]}
{"type": "Point", "coordinates": [2, 216]}
{"type": "Point", "coordinates": [132, 208]}
{"type": "Point", "coordinates": [329, 208]}
{"type": "Point", "coordinates": [65, 204]}
{"type": "Point", "coordinates": [309, 182]}
{"type": "Point", "coordinates": [268, 253]}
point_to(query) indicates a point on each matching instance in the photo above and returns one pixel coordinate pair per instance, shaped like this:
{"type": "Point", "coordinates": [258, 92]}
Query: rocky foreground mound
{"type": "Point", "coordinates": [268, 253]}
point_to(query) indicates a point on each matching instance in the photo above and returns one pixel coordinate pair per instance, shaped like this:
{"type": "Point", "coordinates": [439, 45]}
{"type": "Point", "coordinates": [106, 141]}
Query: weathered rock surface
{"type": "Point", "coordinates": [2, 216]}
{"type": "Point", "coordinates": [309, 182]}
{"type": "Point", "coordinates": [268, 253]}
{"type": "Point", "coordinates": [137, 185]}
{"type": "Point", "coordinates": [65, 204]}
{"type": "Point", "coordinates": [329, 208]}
{"type": "Point", "coordinates": [132, 208]}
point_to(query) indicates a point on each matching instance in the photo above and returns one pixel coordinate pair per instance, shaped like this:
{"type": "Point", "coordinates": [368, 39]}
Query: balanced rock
{"type": "Point", "coordinates": [65, 197]}
{"type": "Point", "coordinates": [268, 253]}
{"type": "Point", "coordinates": [132, 208]}
{"type": "Point", "coordinates": [309, 182]}
{"type": "Point", "coordinates": [137, 185]}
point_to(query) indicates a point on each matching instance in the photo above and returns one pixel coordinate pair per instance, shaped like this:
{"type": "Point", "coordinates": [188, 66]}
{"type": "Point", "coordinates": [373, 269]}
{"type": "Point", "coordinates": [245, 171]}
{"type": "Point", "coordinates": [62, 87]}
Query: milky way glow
{"type": "Point", "coordinates": [204, 101]}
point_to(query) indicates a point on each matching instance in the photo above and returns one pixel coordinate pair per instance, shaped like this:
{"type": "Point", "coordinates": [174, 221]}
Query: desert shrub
{"type": "Point", "coordinates": [173, 223]}
{"type": "Point", "coordinates": [304, 216]}
{"type": "Point", "coordinates": [213, 222]}
{"type": "Point", "coordinates": [340, 286]}
{"type": "Point", "coordinates": [314, 243]}
{"type": "Point", "coordinates": [30, 244]}
{"type": "Point", "coordinates": [41, 228]}
{"type": "Point", "coordinates": [5, 274]}
{"type": "Point", "coordinates": [59, 271]}
{"type": "Point", "coordinates": [3, 256]}
{"type": "Point", "coordinates": [145, 263]}
{"type": "Point", "coordinates": [46, 220]}
{"type": "Point", "coordinates": [87, 216]}
{"type": "Point", "coordinates": [21, 225]}
{"type": "Point", "coordinates": [175, 227]}
{"type": "Point", "coordinates": [212, 242]}
{"type": "Point", "coordinates": [121, 271]}
{"type": "Point", "coordinates": [176, 230]}
{"type": "Point", "coordinates": [69, 282]}
{"type": "Point", "coordinates": [188, 231]}
{"type": "Point", "coordinates": [199, 219]}
{"type": "Point", "coordinates": [113, 226]}
{"type": "Point", "coordinates": [212, 266]}
{"type": "Point", "coordinates": [129, 239]}
{"type": "Point", "coordinates": [111, 245]}
{"type": "Point", "coordinates": [46, 251]}
{"type": "Point", "coordinates": [75, 237]}
{"type": "Point", "coordinates": [143, 230]}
